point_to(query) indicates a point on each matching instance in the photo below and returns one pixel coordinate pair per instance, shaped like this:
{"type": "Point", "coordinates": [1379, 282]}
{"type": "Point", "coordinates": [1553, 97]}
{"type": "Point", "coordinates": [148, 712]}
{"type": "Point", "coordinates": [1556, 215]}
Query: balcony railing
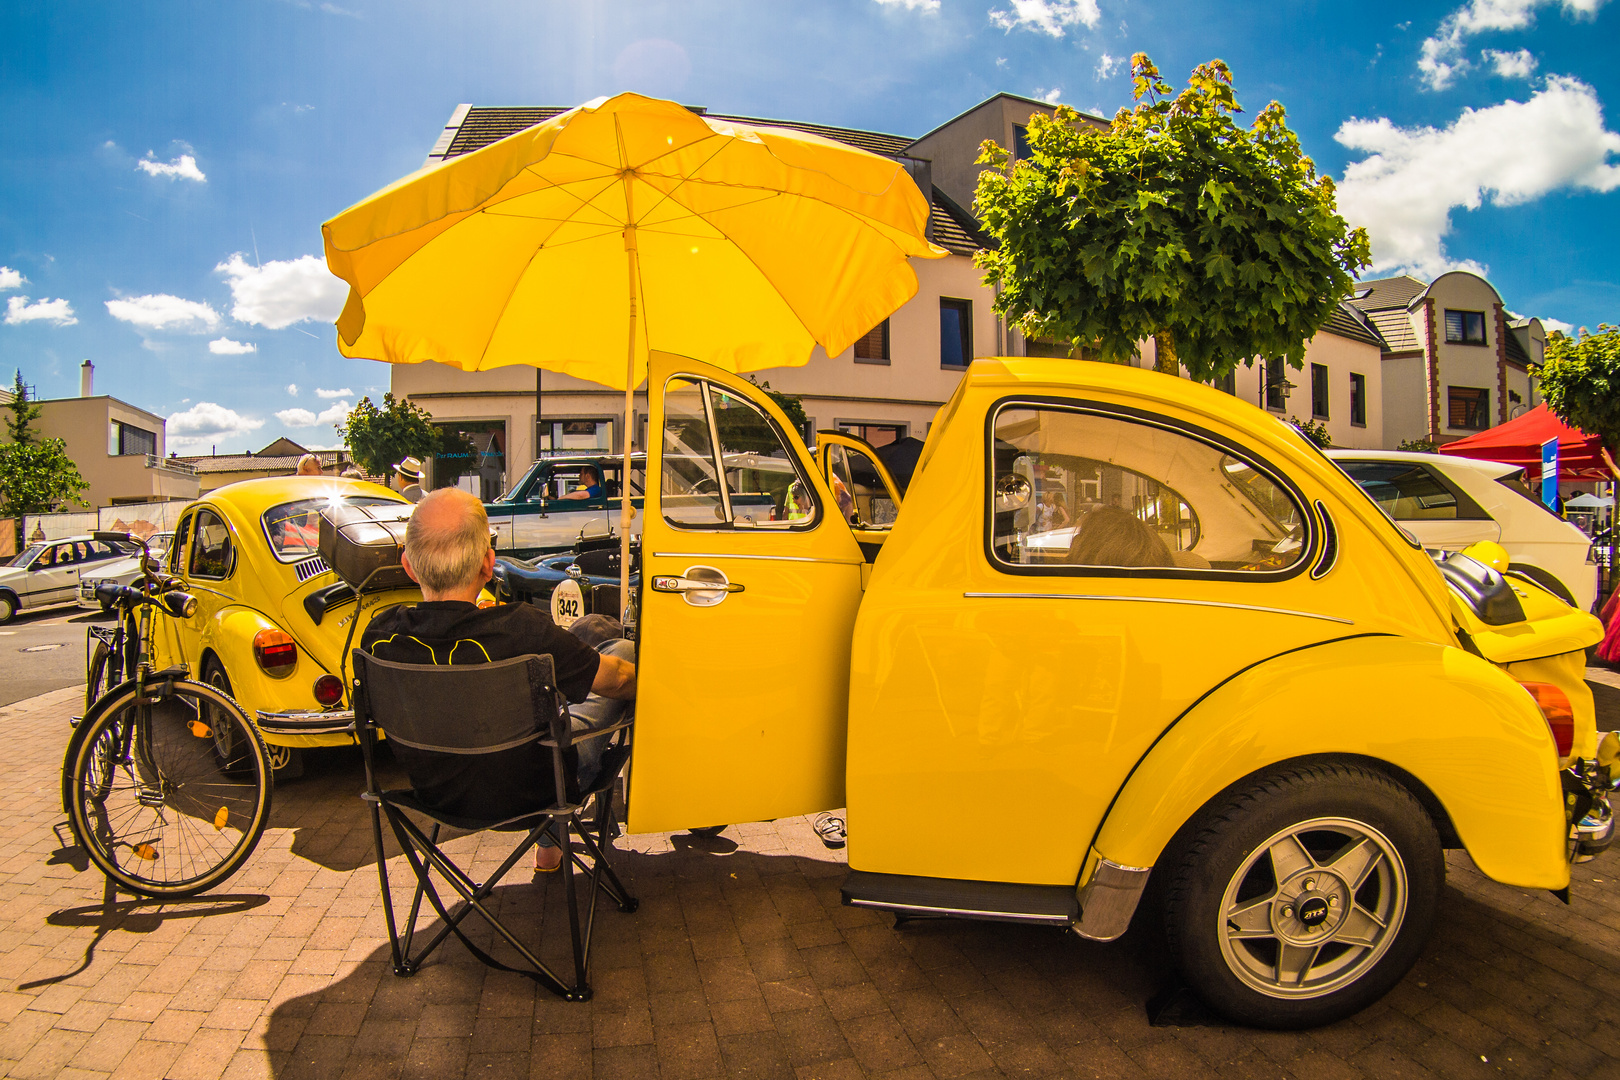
{"type": "Point", "coordinates": [183, 468]}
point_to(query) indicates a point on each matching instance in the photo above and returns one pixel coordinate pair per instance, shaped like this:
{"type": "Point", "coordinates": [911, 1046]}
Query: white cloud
{"type": "Point", "coordinates": [1511, 65]}
{"type": "Point", "coordinates": [330, 394]}
{"type": "Point", "coordinates": [183, 167]}
{"type": "Point", "coordinates": [1442, 61]}
{"type": "Point", "coordinates": [1107, 65]}
{"type": "Point", "coordinates": [55, 312]}
{"type": "Point", "coordinates": [226, 347]}
{"type": "Point", "coordinates": [11, 279]}
{"type": "Point", "coordinates": [292, 389]}
{"type": "Point", "coordinates": [1047, 16]}
{"type": "Point", "coordinates": [300, 418]}
{"type": "Point", "coordinates": [1049, 96]}
{"type": "Point", "coordinates": [160, 311]}
{"type": "Point", "coordinates": [279, 294]}
{"type": "Point", "coordinates": [205, 423]}
{"type": "Point", "coordinates": [912, 5]}
{"type": "Point", "coordinates": [1510, 153]}
{"type": "Point", "coordinates": [1559, 325]}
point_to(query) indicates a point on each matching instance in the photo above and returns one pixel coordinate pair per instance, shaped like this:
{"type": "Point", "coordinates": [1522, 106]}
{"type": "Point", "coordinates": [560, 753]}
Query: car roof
{"type": "Point", "coordinates": [1451, 462]}
{"type": "Point", "coordinates": [253, 497]}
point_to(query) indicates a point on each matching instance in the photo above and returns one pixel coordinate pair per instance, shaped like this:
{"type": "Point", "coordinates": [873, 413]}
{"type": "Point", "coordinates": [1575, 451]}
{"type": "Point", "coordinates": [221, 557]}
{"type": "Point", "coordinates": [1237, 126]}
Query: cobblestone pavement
{"type": "Point", "coordinates": [741, 963]}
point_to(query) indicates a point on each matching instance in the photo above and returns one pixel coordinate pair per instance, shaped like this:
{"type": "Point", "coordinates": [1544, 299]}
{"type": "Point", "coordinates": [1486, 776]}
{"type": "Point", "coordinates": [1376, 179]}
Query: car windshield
{"type": "Point", "coordinates": [294, 528]}
{"type": "Point", "coordinates": [27, 555]}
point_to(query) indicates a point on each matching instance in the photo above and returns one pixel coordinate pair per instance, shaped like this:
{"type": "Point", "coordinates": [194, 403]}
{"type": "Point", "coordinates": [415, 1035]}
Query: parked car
{"type": "Point", "coordinates": [48, 573]}
{"type": "Point", "coordinates": [121, 572]}
{"type": "Point", "coordinates": [1240, 678]}
{"type": "Point", "coordinates": [534, 519]}
{"type": "Point", "coordinates": [1449, 502]}
{"type": "Point", "coordinates": [272, 617]}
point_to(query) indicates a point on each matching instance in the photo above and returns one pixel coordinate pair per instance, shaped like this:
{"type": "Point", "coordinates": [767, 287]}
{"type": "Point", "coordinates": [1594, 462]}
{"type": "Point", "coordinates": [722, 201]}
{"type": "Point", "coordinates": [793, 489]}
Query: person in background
{"type": "Point", "coordinates": [591, 485]}
{"type": "Point", "coordinates": [353, 473]}
{"type": "Point", "coordinates": [309, 465]}
{"type": "Point", "coordinates": [408, 478]}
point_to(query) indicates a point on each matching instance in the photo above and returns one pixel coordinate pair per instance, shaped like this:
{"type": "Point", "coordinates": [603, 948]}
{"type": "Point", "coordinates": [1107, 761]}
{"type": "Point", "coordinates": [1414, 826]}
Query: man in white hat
{"type": "Point", "coordinates": [408, 478]}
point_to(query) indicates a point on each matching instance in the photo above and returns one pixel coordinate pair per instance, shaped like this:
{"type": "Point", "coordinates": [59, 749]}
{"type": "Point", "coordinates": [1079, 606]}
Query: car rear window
{"type": "Point", "coordinates": [294, 528]}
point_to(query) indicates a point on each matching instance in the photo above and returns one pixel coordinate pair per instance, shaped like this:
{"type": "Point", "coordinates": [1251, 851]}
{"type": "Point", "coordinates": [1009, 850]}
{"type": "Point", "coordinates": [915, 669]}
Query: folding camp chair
{"type": "Point", "coordinates": [486, 747]}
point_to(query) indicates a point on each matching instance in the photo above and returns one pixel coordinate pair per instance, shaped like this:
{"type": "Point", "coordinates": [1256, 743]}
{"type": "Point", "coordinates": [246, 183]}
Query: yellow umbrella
{"type": "Point", "coordinates": [625, 226]}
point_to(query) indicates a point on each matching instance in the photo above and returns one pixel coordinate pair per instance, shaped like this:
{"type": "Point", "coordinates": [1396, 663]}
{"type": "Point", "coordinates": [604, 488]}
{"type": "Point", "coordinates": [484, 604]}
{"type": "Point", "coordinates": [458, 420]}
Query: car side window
{"type": "Point", "coordinates": [1086, 492]}
{"type": "Point", "coordinates": [726, 466]}
{"type": "Point", "coordinates": [177, 546]}
{"type": "Point", "coordinates": [65, 555]}
{"type": "Point", "coordinates": [211, 547]}
{"type": "Point", "coordinates": [1407, 491]}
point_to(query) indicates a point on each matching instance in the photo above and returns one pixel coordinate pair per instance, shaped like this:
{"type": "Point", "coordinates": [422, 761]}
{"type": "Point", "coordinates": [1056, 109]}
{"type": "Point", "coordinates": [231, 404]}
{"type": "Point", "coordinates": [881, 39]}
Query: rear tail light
{"type": "Point", "coordinates": [275, 651]}
{"type": "Point", "coordinates": [1554, 705]}
{"type": "Point", "coordinates": [328, 690]}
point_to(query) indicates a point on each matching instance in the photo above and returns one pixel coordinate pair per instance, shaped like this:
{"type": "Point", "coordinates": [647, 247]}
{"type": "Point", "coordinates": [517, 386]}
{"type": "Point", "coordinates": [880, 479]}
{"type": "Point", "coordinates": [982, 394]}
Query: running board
{"type": "Point", "coordinates": [994, 901]}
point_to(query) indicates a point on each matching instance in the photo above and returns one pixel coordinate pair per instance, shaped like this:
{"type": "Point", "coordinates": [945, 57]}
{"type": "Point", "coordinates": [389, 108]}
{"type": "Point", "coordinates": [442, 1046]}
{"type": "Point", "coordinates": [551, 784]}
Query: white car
{"type": "Point", "coordinates": [124, 571]}
{"type": "Point", "coordinates": [48, 573]}
{"type": "Point", "coordinates": [1449, 502]}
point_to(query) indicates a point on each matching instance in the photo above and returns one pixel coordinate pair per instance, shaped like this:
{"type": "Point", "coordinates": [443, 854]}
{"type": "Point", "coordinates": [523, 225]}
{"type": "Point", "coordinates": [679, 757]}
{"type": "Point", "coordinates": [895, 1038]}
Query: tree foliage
{"type": "Point", "coordinates": [1313, 430]}
{"type": "Point", "coordinates": [1581, 382]}
{"type": "Point", "coordinates": [36, 475]}
{"type": "Point", "coordinates": [380, 437]}
{"type": "Point", "coordinates": [1220, 242]}
{"type": "Point", "coordinates": [791, 406]}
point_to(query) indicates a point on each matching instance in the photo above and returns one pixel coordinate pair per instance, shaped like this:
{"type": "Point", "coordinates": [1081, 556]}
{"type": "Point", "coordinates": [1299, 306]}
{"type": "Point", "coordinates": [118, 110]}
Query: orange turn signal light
{"type": "Point", "coordinates": [1560, 714]}
{"type": "Point", "coordinates": [275, 651]}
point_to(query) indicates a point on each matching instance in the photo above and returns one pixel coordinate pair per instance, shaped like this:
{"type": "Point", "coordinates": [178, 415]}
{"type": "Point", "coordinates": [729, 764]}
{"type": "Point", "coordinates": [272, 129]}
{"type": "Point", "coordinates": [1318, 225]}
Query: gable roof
{"type": "Point", "coordinates": [1394, 325]}
{"type": "Point", "coordinates": [955, 229]}
{"type": "Point", "coordinates": [1383, 293]}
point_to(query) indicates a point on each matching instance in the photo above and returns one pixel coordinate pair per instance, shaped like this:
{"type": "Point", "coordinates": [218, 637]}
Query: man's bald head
{"type": "Point", "coordinates": [446, 540]}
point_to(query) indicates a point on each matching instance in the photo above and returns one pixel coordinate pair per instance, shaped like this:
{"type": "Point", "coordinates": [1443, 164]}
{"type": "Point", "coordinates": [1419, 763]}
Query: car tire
{"type": "Point", "coordinates": [1304, 896]}
{"type": "Point", "coordinates": [226, 750]}
{"type": "Point", "coordinates": [8, 608]}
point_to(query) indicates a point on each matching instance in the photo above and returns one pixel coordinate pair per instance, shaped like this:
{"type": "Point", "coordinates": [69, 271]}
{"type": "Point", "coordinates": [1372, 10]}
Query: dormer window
{"type": "Point", "coordinates": [1465, 327]}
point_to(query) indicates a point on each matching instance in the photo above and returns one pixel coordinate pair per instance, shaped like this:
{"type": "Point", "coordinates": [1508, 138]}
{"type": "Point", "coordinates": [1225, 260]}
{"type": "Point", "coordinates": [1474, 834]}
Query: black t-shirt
{"type": "Point", "coordinates": [506, 783]}
{"type": "Point", "coordinates": [457, 632]}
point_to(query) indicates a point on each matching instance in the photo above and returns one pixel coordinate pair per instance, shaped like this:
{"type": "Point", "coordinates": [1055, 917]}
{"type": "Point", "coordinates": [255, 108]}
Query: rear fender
{"type": "Point", "coordinates": [1448, 719]}
{"type": "Point", "coordinates": [232, 643]}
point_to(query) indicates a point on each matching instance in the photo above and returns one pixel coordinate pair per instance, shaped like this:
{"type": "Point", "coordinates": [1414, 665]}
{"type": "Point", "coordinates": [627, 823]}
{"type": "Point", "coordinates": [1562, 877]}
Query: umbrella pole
{"type": "Point", "coordinates": [625, 509]}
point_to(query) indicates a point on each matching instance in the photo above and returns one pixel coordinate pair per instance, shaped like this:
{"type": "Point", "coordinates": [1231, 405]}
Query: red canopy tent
{"type": "Point", "coordinates": [1518, 442]}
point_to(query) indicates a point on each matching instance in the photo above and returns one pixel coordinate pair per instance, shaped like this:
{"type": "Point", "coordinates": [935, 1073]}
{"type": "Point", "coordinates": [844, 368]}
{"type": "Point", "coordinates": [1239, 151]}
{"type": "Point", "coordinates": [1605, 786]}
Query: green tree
{"type": "Point", "coordinates": [791, 406]}
{"type": "Point", "coordinates": [36, 475]}
{"type": "Point", "coordinates": [1581, 382]}
{"type": "Point", "coordinates": [380, 437]}
{"type": "Point", "coordinates": [1314, 431]}
{"type": "Point", "coordinates": [1174, 223]}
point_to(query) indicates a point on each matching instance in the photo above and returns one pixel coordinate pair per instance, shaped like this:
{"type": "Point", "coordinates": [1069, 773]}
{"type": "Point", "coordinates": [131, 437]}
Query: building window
{"type": "Point", "coordinates": [124, 439]}
{"type": "Point", "coordinates": [955, 332]}
{"type": "Point", "coordinates": [1465, 327]}
{"type": "Point", "coordinates": [873, 346]}
{"type": "Point", "coordinates": [472, 457]}
{"type": "Point", "coordinates": [1021, 151]}
{"type": "Point", "coordinates": [873, 434]}
{"type": "Point", "coordinates": [1468, 406]}
{"type": "Point", "coordinates": [595, 433]}
{"type": "Point", "coordinates": [1226, 384]}
{"type": "Point", "coordinates": [1358, 400]}
{"type": "Point", "coordinates": [1319, 391]}
{"type": "Point", "coordinates": [1276, 376]}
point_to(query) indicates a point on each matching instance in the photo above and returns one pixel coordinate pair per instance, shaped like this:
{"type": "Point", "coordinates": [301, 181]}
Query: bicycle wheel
{"type": "Point", "coordinates": [149, 802]}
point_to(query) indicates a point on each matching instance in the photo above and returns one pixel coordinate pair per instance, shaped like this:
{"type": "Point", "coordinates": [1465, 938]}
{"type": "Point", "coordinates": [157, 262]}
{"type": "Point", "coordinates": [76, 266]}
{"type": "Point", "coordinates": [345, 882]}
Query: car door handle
{"type": "Point", "coordinates": [671, 584]}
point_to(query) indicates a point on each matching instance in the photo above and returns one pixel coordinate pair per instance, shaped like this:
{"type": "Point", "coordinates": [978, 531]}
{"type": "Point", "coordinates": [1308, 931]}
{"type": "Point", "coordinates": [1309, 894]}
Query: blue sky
{"type": "Point", "coordinates": [169, 163]}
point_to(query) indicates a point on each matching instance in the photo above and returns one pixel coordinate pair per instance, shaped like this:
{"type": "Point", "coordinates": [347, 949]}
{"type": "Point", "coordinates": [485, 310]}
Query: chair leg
{"type": "Point", "coordinates": [564, 836]}
{"type": "Point", "coordinates": [387, 896]}
{"type": "Point", "coordinates": [484, 890]}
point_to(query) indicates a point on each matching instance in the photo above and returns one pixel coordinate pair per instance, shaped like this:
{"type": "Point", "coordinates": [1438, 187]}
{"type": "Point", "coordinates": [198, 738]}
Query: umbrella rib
{"type": "Point", "coordinates": [669, 196]}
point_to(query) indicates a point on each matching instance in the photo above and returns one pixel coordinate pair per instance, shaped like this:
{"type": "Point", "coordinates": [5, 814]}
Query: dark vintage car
{"type": "Point", "coordinates": [570, 585]}
{"type": "Point", "coordinates": [535, 518]}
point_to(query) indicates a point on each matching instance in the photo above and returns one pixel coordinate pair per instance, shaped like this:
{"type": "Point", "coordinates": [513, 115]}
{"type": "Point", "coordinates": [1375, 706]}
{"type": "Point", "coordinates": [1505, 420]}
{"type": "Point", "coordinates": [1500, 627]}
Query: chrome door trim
{"type": "Point", "coordinates": [1159, 600]}
{"type": "Point", "coordinates": [762, 558]}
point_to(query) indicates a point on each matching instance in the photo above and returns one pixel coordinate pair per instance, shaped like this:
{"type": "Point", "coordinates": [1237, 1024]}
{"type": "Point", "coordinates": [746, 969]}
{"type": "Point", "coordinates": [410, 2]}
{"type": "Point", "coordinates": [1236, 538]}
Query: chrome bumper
{"type": "Point", "coordinates": [301, 722]}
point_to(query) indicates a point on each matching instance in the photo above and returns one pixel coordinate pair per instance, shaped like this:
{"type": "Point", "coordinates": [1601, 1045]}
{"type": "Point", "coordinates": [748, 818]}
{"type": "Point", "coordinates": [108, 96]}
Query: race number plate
{"type": "Point", "coordinates": [567, 603]}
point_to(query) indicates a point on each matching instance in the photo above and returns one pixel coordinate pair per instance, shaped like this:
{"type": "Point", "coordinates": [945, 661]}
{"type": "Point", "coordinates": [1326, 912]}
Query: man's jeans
{"type": "Point", "coordinates": [595, 713]}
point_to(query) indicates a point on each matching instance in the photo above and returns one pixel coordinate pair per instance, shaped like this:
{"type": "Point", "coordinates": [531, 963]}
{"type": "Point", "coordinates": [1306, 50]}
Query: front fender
{"type": "Point", "coordinates": [1457, 724]}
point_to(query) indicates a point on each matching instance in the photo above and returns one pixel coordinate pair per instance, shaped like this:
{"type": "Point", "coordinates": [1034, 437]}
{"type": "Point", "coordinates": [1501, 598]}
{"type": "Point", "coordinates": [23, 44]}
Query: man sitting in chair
{"type": "Point", "coordinates": [448, 553]}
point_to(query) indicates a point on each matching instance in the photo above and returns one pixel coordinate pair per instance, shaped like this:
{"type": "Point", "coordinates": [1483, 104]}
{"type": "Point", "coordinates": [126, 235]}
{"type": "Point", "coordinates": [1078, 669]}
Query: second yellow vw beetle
{"type": "Point", "coordinates": [1124, 628]}
{"type": "Point", "coordinates": [271, 616]}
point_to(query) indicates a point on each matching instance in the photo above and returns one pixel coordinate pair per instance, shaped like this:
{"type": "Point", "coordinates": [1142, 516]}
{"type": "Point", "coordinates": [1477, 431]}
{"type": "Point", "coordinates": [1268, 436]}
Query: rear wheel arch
{"type": "Point", "coordinates": [14, 602]}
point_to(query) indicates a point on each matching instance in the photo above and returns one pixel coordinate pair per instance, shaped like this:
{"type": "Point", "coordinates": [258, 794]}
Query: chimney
{"type": "Point", "coordinates": [87, 372]}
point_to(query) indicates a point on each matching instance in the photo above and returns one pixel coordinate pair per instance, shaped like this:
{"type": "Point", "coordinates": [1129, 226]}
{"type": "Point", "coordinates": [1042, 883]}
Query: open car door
{"type": "Point", "coordinates": [750, 583]}
{"type": "Point", "coordinates": [866, 495]}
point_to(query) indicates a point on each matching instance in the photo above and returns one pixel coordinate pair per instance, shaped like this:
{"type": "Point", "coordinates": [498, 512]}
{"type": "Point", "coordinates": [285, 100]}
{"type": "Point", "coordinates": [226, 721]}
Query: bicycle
{"type": "Point", "coordinates": [147, 796]}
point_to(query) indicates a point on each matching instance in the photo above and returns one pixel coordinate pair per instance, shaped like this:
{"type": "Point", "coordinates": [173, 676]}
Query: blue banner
{"type": "Point", "coordinates": [1549, 473]}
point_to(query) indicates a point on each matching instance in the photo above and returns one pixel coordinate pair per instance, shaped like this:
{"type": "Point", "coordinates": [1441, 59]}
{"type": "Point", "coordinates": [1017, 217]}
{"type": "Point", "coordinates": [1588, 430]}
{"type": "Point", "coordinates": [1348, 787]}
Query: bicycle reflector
{"type": "Point", "coordinates": [328, 690]}
{"type": "Point", "coordinates": [275, 651]}
{"type": "Point", "coordinates": [1554, 705]}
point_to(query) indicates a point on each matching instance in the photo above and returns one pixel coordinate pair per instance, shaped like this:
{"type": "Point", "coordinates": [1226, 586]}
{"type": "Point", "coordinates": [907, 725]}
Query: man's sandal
{"type": "Point", "coordinates": [830, 827]}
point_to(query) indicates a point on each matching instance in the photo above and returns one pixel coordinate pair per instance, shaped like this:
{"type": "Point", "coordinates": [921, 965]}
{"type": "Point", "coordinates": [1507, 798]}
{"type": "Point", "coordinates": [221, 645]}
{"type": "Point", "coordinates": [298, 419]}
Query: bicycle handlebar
{"type": "Point", "coordinates": [179, 604]}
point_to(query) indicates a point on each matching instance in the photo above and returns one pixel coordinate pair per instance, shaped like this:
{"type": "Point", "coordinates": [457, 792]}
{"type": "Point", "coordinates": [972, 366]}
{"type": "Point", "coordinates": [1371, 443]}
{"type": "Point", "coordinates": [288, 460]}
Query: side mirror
{"type": "Point", "coordinates": [1013, 492]}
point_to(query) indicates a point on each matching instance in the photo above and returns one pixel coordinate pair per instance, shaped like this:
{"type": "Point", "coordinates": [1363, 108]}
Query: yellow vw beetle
{"type": "Point", "coordinates": [271, 616]}
{"type": "Point", "coordinates": [1124, 628]}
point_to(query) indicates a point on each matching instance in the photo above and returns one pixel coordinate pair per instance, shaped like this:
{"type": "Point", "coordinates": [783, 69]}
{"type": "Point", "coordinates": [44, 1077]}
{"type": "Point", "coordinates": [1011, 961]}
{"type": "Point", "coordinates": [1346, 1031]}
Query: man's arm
{"type": "Point", "coordinates": [615, 678]}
